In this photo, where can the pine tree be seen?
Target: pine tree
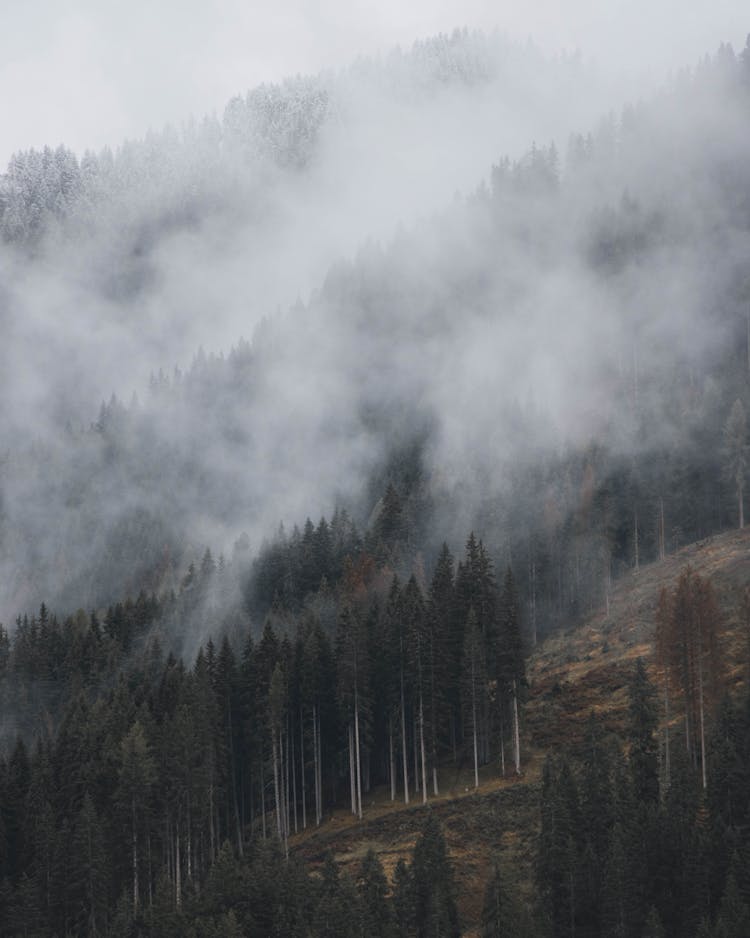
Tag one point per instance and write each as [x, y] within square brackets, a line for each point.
[643, 751]
[434, 890]
[403, 900]
[653, 927]
[511, 675]
[474, 683]
[503, 915]
[398, 640]
[444, 659]
[335, 905]
[352, 664]
[733, 919]
[136, 777]
[558, 867]
[376, 917]
[418, 657]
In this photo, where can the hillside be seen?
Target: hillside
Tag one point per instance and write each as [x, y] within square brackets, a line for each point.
[410, 536]
[584, 670]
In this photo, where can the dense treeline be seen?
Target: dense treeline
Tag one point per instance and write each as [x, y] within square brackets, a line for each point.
[152, 779]
[636, 848]
[165, 799]
[154, 766]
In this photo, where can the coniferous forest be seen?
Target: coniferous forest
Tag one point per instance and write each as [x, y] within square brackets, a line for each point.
[294, 590]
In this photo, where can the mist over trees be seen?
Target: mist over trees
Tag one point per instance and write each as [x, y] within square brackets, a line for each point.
[250, 589]
[425, 364]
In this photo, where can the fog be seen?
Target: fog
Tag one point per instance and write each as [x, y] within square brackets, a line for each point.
[90, 74]
[391, 285]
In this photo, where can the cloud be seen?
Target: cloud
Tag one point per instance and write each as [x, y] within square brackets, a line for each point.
[88, 73]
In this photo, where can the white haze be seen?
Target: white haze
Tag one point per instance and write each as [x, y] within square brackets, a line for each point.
[88, 74]
[384, 160]
[537, 325]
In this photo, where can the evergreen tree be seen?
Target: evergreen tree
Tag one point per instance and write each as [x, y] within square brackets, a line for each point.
[136, 777]
[376, 912]
[510, 661]
[434, 890]
[733, 919]
[643, 748]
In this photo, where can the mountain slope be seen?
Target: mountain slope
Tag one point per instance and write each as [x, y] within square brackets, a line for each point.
[587, 669]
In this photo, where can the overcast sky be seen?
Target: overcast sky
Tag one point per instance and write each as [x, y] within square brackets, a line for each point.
[91, 72]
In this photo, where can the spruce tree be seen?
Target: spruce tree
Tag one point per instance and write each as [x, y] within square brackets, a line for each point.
[643, 748]
[435, 909]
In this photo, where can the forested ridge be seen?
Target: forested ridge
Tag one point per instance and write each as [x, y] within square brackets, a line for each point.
[169, 796]
[306, 575]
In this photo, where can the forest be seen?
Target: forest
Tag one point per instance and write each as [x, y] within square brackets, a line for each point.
[167, 799]
[263, 593]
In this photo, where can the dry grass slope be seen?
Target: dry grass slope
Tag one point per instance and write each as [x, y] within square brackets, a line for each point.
[576, 673]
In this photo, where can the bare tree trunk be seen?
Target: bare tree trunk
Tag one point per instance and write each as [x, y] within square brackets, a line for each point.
[233, 770]
[177, 867]
[502, 746]
[319, 779]
[421, 746]
[403, 743]
[516, 731]
[667, 763]
[150, 872]
[635, 539]
[276, 783]
[302, 768]
[211, 831]
[135, 854]
[168, 848]
[293, 771]
[352, 784]
[262, 795]
[189, 841]
[391, 758]
[474, 728]
[287, 787]
[414, 736]
[358, 761]
[316, 759]
[284, 750]
[703, 727]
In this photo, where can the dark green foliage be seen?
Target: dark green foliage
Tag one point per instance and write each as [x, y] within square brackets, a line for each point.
[733, 919]
[140, 812]
[434, 890]
[504, 913]
[335, 905]
[559, 871]
[403, 900]
[376, 915]
[643, 752]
